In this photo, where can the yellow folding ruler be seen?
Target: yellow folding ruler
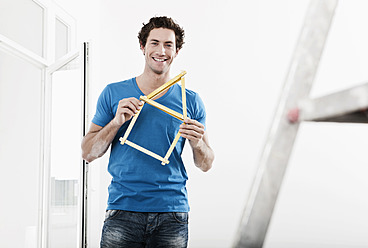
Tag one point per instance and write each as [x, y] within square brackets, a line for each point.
[148, 99]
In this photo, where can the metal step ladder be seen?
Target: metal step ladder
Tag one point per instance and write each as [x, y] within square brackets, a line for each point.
[295, 106]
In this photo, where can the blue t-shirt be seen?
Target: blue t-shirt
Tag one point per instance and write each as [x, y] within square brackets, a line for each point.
[139, 182]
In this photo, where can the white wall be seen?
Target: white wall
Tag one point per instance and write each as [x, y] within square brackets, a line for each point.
[237, 55]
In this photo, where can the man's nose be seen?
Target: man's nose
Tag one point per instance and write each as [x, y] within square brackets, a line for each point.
[161, 49]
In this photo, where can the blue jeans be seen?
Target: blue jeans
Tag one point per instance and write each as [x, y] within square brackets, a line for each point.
[144, 230]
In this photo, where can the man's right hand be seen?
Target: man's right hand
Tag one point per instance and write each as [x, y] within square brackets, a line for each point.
[98, 139]
[127, 108]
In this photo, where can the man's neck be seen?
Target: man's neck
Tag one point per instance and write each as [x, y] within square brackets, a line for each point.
[149, 81]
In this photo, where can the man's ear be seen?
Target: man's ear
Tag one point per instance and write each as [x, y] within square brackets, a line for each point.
[177, 52]
[143, 49]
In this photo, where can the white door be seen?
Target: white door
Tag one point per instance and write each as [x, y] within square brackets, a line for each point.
[65, 175]
[42, 177]
[42, 96]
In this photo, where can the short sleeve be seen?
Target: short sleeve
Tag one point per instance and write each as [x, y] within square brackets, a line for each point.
[103, 113]
[200, 111]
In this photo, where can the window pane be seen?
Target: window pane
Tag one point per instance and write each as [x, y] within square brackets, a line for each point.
[66, 166]
[20, 121]
[22, 22]
[61, 38]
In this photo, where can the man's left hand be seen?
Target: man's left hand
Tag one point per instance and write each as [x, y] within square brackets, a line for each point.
[193, 131]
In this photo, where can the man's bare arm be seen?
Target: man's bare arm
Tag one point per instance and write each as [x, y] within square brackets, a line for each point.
[98, 139]
[198, 139]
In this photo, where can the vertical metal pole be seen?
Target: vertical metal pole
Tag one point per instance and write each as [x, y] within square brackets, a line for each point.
[84, 132]
[273, 163]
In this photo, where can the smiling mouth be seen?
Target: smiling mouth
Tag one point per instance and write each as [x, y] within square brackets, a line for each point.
[159, 60]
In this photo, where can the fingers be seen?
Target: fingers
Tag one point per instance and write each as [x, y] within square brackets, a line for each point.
[131, 103]
[192, 130]
[193, 122]
[127, 108]
[127, 112]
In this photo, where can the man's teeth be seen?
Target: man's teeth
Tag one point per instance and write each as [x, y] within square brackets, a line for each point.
[159, 60]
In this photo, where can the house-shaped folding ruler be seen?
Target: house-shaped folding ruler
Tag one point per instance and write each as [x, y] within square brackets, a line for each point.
[148, 99]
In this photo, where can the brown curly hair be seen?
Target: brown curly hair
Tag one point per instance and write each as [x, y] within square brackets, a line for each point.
[161, 22]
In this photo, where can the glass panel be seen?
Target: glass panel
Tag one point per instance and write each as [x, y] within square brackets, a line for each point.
[66, 166]
[22, 22]
[61, 39]
[322, 202]
[20, 121]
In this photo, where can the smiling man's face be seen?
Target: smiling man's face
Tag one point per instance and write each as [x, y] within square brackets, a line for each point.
[160, 50]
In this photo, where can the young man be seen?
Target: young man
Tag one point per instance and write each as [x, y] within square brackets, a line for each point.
[148, 204]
